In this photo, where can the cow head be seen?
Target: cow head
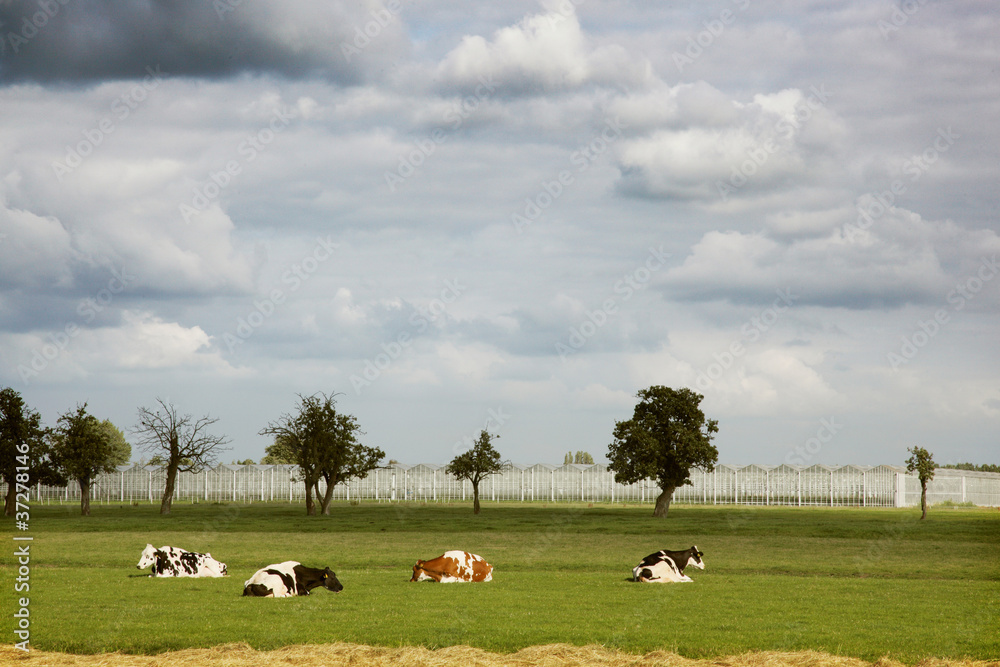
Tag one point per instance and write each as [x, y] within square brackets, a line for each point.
[418, 571]
[695, 559]
[330, 582]
[147, 558]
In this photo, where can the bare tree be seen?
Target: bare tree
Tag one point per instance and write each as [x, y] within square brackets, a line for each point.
[182, 441]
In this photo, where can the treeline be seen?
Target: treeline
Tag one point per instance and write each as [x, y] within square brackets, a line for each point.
[982, 467]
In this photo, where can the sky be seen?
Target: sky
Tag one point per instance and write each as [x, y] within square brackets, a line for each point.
[509, 216]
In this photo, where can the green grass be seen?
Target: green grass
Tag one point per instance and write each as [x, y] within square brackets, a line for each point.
[857, 582]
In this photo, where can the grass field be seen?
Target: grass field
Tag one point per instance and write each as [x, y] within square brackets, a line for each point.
[850, 582]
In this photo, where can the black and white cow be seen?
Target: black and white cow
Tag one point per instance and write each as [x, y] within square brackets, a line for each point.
[288, 579]
[174, 562]
[668, 566]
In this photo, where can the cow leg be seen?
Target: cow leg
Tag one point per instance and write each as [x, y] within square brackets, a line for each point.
[258, 591]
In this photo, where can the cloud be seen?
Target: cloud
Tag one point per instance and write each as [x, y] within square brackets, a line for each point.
[691, 142]
[898, 259]
[543, 53]
[35, 250]
[91, 40]
[138, 343]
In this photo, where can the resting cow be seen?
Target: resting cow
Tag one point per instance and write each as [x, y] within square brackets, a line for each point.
[668, 566]
[453, 566]
[288, 579]
[174, 562]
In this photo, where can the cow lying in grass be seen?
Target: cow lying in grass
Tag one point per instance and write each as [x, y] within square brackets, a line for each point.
[174, 562]
[288, 579]
[668, 566]
[453, 566]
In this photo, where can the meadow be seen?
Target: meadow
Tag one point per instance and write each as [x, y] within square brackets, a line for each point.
[861, 583]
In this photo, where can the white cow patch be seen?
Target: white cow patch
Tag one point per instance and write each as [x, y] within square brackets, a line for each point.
[276, 582]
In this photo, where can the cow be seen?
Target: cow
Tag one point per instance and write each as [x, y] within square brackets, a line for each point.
[288, 579]
[453, 566]
[668, 566]
[174, 562]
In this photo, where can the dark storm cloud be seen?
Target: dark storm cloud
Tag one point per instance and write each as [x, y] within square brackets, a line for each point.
[89, 40]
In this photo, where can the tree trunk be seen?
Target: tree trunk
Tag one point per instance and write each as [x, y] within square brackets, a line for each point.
[923, 501]
[475, 497]
[310, 503]
[327, 497]
[168, 490]
[9, 501]
[663, 501]
[84, 496]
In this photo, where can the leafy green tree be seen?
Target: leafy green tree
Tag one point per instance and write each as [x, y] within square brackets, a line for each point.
[25, 450]
[922, 462]
[278, 453]
[568, 458]
[83, 448]
[181, 441]
[121, 450]
[667, 436]
[324, 445]
[477, 464]
[583, 458]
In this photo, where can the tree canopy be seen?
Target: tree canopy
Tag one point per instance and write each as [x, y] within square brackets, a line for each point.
[666, 437]
[323, 443]
[476, 464]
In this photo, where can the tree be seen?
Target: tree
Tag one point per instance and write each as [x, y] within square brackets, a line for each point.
[667, 436]
[183, 442]
[922, 462]
[568, 458]
[583, 458]
[85, 447]
[477, 464]
[25, 450]
[121, 451]
[280, 452]
[322, 442]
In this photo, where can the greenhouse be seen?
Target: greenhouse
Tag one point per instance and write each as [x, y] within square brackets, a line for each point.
[821, 485]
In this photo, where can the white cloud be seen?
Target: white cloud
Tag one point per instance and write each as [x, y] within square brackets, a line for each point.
[35, 250]
[897, 259]
[543, 52]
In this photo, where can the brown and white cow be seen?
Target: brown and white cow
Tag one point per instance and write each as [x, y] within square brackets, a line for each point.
[453, 566]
